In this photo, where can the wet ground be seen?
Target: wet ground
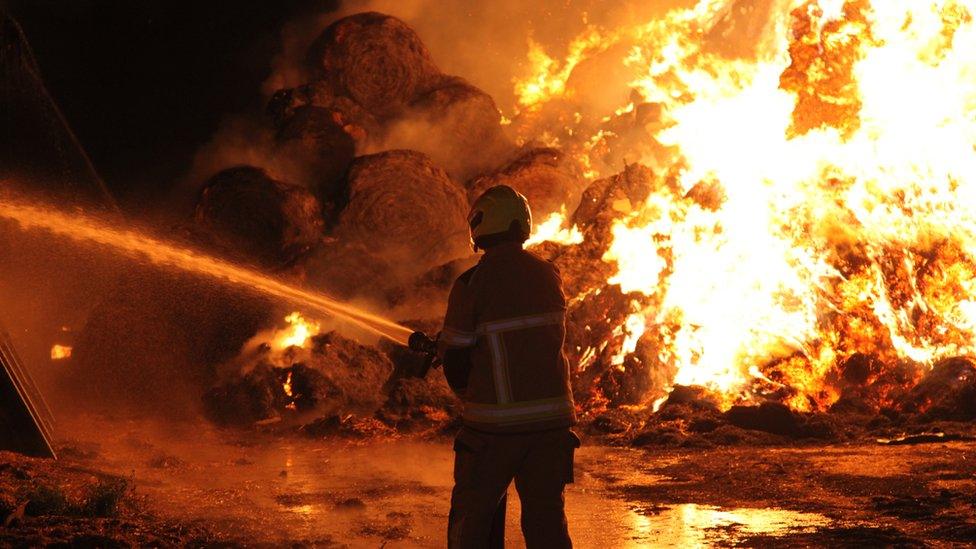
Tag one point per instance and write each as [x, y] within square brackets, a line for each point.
[264, 489]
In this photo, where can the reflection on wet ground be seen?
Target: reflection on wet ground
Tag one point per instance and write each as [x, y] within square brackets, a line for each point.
[599, 517]
[395, 493]
[693, 525]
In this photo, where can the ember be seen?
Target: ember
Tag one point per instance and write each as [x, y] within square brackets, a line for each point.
[60, 352]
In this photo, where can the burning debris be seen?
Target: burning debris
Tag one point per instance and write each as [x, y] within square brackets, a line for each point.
[323, 383]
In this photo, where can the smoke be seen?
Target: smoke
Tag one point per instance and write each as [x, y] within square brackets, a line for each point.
[242, 140]
[486, 43]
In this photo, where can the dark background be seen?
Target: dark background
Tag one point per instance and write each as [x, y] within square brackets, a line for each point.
[144, 83]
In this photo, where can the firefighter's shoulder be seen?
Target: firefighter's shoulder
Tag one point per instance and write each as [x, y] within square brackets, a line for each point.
[542, 261]
[466, 276]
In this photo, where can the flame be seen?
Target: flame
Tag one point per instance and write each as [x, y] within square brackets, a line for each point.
[60, 352]
[298, 332]
[549, 76]
[842, 147]
[553, 229]
[287, 386]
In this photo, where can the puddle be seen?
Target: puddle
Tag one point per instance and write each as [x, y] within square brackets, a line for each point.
[397, 493]
[693, 525]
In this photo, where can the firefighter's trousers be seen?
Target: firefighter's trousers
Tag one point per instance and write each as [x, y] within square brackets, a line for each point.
[540, 463]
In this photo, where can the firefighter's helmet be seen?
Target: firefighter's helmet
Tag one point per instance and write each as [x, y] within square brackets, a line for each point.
[497, 209]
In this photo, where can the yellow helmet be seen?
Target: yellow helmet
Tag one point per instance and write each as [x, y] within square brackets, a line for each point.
[495, 211]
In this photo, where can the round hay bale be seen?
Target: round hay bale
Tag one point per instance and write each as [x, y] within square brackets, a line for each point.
[458, 125]
[265, 220]
[347, 114]
[405, 209]
[542, 176]
[375, 59]
[314, 134]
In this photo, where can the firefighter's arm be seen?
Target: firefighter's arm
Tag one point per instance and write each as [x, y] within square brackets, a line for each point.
[458, 336]
[457, 368]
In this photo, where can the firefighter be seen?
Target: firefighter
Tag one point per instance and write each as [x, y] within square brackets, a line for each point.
[501, 347]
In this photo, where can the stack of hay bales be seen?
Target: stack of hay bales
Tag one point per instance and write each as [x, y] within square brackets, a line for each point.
[394, 151]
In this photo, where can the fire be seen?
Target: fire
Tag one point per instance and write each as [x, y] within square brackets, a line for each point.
[287, 386]
[298, 332]
[549, 75]
[841, 149]
[60, 352]
[553, 229]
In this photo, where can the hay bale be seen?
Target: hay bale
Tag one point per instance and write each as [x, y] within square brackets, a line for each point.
[458, 125]
[264, 220]
[405, 210]
[542, 175]
[332, 375]
[375, 59]
[314, 134]
[349, 115]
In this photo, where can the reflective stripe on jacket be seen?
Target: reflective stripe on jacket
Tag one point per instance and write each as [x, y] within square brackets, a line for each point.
[510, 311]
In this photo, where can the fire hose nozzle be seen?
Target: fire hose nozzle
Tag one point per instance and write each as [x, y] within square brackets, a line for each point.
[422, 343]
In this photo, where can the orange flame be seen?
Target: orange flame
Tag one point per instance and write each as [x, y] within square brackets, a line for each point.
[60, 352]
[843, 146]
[298, 332]
[287, 386]
[554, 229]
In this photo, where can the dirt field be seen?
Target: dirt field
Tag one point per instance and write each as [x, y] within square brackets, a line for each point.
[193, 484]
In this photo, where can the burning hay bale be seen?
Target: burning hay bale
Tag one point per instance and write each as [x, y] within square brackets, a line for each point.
[374, 59]
[315, 134]
[543, 175]
[269, 221]
[405, 210]
[458, 125]
[324, 376]
[594, 340]
[601, 205]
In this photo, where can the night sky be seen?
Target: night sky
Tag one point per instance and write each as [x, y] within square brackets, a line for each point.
[144, 83]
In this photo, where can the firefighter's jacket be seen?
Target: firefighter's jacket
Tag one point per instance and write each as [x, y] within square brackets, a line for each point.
[510, 311]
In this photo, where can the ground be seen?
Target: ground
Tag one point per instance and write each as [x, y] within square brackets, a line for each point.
[193, 484]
